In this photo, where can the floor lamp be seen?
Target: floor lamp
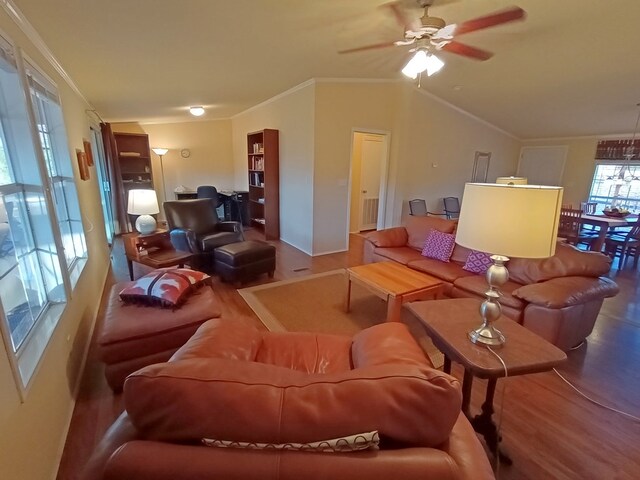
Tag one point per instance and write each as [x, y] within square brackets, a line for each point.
[513, 220]
[160, 152]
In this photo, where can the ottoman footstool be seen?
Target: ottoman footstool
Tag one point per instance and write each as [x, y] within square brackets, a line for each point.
[134, 336]
[237, 262]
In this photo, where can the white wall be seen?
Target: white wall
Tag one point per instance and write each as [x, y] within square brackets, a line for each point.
[292, 113]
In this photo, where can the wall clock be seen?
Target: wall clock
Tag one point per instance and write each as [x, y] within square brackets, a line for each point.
[185, 153]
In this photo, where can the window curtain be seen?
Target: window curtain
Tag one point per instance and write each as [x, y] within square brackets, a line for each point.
[117, 193]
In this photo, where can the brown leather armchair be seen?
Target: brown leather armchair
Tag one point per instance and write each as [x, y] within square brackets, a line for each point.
[194, 227]
[231, 381]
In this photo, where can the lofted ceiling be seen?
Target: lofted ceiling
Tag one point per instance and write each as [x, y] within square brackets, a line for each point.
[570, 69]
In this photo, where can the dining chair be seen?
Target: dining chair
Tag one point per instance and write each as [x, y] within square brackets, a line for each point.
[589, 208]
[451, 207]
[418, 207]
[569, 227]
[625, 246]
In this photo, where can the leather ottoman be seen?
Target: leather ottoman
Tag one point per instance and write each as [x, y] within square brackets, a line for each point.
[237, 262]
[134, 336]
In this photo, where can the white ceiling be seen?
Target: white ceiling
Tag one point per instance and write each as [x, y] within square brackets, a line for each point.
[571, 68]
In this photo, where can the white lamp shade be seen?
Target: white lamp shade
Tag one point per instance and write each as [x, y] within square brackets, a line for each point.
[420, 62]
[512, 180]
[510, 220]
[142, 202]
[160, 151]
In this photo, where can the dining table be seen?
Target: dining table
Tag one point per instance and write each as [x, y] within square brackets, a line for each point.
[604, 224]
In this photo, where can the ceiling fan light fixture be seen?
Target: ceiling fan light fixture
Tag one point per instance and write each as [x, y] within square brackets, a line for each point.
[196, 111]
[420, 62]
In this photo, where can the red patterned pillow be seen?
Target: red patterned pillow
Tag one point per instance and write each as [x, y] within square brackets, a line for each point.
[165, 287]
[477, 262]
[439, 245]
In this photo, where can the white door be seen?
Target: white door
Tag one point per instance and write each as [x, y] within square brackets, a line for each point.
[543, 165]
[373, 152]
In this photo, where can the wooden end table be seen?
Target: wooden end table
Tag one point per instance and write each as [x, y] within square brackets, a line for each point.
[154, 250]
[447, 322]
[394, 283]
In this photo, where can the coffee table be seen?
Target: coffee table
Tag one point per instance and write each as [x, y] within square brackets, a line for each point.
[447, 323]
[394, 283]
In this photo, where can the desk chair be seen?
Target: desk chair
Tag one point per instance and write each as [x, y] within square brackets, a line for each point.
[209, 191]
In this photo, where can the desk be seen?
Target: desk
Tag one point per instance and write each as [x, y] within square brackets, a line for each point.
[447, 323]
[154, 250]
[604, 223]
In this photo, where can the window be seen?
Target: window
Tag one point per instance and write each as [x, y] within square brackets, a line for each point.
[42, 243]
[616, 184]
[53, 142]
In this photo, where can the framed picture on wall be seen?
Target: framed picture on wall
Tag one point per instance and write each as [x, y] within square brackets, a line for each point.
[481, 167]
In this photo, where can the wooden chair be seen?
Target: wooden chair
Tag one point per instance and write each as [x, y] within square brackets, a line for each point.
[588, 208]
[569, 227]
[625, 246]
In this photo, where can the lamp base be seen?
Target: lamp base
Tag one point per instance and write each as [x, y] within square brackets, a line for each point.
[146, 224]
[487, 335]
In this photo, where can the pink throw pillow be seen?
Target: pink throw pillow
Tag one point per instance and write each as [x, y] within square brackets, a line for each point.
[439, 246]
[477, 262]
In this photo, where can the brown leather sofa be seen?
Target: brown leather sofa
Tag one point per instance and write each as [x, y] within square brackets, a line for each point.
[558, 298]
[231, 381]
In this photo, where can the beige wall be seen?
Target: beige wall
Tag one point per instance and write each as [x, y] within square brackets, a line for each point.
[579, 167]
[437, 151]
[292, 114]
[210, 162]
[33, 432]
[342, 108]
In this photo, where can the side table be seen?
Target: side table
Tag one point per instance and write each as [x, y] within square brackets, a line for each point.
[154, 250]
[447, 323]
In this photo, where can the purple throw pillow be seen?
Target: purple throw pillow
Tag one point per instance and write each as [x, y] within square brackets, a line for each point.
[439, 245]
[477, 262]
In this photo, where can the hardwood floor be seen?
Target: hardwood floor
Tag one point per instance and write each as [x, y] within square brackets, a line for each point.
[549, 430]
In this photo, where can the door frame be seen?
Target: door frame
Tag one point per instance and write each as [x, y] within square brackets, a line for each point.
[563, 147]
[384, 176]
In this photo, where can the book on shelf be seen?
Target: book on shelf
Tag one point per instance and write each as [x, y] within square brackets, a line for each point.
[129, 154]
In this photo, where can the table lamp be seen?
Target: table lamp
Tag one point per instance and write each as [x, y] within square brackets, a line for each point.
[143, 203]
[512, 180]
[506, 220]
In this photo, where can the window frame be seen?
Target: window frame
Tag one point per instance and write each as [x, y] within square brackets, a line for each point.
[607, 200]
[26, 359]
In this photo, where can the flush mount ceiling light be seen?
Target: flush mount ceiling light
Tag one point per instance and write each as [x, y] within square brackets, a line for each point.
[196, 111]
[421, 61]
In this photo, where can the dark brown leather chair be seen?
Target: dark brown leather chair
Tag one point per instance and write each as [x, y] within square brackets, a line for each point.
[194, 227]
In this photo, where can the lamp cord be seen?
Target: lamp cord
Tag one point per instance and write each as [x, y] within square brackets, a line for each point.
[633, 417]
[500, 415]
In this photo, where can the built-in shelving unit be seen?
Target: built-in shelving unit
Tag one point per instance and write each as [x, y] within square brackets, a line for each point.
[264, 182]
[134, 159]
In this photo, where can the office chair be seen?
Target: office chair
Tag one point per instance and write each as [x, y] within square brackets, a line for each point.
[209, 191]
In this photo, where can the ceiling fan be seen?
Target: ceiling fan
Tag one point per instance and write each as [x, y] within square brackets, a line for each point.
[430, 33]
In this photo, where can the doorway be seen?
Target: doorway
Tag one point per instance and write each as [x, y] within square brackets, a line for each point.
[368, 186]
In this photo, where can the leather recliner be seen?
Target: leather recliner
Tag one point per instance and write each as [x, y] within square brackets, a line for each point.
[235, 383]
[194, 227]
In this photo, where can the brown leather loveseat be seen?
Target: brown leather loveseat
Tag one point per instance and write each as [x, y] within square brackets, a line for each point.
[233, 382]
[558, 298]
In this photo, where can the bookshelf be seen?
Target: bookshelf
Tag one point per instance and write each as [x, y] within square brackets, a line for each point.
[264, 182]
[134, 159]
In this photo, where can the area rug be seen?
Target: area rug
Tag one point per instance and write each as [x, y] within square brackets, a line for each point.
[315, 303]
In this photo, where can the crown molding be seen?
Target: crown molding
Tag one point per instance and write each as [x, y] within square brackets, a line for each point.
[21, 21]
[608, 136]
[286, 93]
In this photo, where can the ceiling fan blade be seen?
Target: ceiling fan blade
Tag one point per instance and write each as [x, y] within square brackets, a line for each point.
[498, 18]
[466, 50]
[403, 20]
[369, 47]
